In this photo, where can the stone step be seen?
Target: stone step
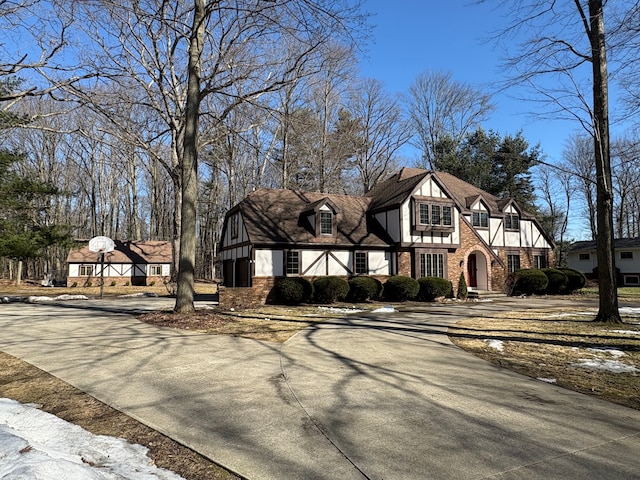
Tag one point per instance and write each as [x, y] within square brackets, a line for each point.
[483, 294]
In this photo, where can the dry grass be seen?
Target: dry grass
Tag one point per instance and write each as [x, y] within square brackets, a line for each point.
[269, 323]
[31, 288]
[551, 344]
[27, 384]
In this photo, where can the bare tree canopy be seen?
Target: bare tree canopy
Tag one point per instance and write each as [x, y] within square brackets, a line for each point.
[441, 108]
[563, 60]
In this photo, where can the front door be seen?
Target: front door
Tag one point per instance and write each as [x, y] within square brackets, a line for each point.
[472, 271]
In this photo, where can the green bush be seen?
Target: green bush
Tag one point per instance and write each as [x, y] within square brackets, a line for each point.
[557, 281]
[530, 282]
[434, 287]
[400, 288]
[74, 284]
[293, 290]
[153, 282]
[576, 279]
[463, 291]
[113, 283]
[364, 288]
[127, 283]
[330, 289]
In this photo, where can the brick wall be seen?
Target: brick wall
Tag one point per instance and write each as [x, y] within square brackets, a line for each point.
[246, 297]
[119, 281]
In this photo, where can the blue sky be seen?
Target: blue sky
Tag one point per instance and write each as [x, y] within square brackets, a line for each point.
[414, 36]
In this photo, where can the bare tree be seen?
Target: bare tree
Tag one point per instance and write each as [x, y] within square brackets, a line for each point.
[441, 108]
[382, 131]
[566, 44]
[579, 159]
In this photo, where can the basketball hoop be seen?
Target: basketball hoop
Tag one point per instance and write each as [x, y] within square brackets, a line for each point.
[101, 245]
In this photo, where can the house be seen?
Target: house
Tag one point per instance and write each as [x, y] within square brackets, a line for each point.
[417, 223]
[135, 262]
[583, 257]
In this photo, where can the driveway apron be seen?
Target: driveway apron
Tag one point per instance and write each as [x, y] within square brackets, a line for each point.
[378, 396]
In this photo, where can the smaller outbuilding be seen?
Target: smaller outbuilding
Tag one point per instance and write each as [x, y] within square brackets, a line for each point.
[584, 258]
[132, 262]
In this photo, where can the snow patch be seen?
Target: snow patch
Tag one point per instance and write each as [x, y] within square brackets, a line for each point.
[625, 332]
[547, 380]
[340, 310]
[614, 366]
[495, 344]
[35, 444]
[385, 309]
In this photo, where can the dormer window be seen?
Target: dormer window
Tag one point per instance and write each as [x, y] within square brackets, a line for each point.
[511, 222]
[326, 223]
[480, 219]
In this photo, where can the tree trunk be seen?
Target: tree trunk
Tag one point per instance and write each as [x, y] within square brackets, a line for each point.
[187, 255]
[608, 307]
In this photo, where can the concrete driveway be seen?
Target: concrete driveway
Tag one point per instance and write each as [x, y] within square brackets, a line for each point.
[378, 396]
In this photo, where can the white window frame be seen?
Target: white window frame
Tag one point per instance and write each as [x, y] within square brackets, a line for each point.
[158, 270]
[82, 270]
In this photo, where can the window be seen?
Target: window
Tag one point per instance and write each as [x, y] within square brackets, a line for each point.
[513, 263]
[424, 214]
[360, 263]
[584, 256]
[512, 222]
[293, 263]
[632, 280]
[480, 219]
[626, 255]
[326, 223]
[155, 270]
[539, 261]
[434, 215]
[234, 226]
[86, 270]
[432, 265]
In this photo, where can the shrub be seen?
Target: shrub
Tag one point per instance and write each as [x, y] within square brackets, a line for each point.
[557, 281]
[400, 288]
[530, 282]
[113, 283]
[153, 282]
[362, 289]
[463, 292]
[126, 284]
[88, 283]
[434, 287]
[330, 289]
[74, 284]
[576, 279]
[292, 290]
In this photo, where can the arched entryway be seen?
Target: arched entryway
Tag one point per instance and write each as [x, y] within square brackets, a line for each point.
[477, 272]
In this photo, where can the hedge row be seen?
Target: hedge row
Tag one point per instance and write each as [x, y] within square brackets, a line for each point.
[297, 290]
[553, 281]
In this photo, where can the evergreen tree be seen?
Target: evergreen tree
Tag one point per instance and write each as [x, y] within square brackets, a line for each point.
[498, 165]
[24, 227]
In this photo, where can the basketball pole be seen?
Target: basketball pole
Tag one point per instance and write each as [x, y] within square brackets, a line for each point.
[101, 274]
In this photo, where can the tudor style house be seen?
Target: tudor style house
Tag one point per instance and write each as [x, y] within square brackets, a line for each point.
[417, 223]
[135, 262]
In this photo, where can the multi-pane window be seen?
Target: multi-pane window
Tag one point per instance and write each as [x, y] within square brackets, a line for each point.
[512, 222]
[626, 255]
[436, 215]
[85, 270]
[539, 261]
[293, 262]
[360, 263]
[584, 256]
[432, 265]
[155, 270]
[513, 263]
[326, 223]
[480, 219]
[424, 214]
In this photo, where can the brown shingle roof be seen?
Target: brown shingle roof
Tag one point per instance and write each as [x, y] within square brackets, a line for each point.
[150, 251]
[280, 217]
[395, 190]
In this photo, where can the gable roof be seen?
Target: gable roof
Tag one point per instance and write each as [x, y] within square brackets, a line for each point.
[618, 243]
[395, 190]
[138, 252]
[273, 216]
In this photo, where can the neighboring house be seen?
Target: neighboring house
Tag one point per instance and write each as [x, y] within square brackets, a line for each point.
[583, 257]
[136, 262]
[417, 223]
